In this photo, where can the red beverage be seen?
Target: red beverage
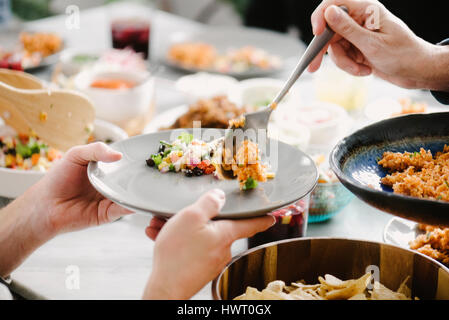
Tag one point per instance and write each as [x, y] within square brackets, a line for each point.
[8, 62]
[291, 222]
[134, 34]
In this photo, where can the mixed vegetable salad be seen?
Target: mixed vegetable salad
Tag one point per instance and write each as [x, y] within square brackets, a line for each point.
[26, 152]
[185, 154]
[194, 157]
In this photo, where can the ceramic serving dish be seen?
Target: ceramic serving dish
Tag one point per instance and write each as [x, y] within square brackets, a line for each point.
[14, 182]
[354, 161]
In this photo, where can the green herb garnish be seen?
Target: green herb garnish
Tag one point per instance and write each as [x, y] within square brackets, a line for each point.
[447, 184]
[250, 183]
[166, 144]
[171, 168]
[157, 158]
[186, 137]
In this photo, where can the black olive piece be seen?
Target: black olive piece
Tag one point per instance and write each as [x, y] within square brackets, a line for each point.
[1, 144]
[161, 149]
[11, 151]
[150, 162]
[189, 173]
[197, 171]
[211, 153]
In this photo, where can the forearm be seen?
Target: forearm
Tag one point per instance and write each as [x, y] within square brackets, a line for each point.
[436, 70]
[158, 288]
[22, 230]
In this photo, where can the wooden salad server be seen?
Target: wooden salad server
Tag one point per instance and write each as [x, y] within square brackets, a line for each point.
[61, 118]
[20, 80]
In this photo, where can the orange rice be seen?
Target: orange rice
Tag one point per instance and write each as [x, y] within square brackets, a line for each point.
[418, 174]
[195, 54]
[421, 175]
[247, 164]
[434, 243]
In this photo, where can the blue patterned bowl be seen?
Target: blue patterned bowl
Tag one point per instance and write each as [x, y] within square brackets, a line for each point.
[354, 161]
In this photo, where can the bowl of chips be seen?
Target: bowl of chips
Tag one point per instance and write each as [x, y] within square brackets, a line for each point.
[331, 269]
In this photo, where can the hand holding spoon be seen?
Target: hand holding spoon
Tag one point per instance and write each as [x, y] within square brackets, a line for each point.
[259, 119]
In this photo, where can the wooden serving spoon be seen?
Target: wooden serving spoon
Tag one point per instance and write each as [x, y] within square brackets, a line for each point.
[20, 80]
[61, 118]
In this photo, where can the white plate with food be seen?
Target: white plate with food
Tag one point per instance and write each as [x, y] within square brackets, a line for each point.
[401, 232]
[24, 159]
[163, 172]
[233, 51]
[29, 50]
[388, 107]
[428, 240]
[165, 119]
[215, 112]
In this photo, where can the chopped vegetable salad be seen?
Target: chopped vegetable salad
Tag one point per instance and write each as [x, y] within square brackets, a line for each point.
[194, 157]
[26, 152]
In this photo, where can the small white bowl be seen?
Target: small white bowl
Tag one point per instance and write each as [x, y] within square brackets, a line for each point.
[299, 136]
[382, 108]
[71, 67]
[327, 122]
[14, 183]
[260, 92]
[118, 106]
[205, 85]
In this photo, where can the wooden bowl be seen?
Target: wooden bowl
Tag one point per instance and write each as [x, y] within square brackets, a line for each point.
[308, 258]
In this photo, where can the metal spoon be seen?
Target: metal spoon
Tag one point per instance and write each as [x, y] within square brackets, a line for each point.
[259, 119]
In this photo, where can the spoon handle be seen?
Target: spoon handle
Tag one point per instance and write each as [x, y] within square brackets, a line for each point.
[315, 46]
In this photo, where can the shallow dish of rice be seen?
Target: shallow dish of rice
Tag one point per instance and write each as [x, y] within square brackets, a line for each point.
[398, 141]
[418, 174]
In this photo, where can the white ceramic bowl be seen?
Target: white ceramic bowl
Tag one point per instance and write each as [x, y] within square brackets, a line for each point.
[118, 105]
[71, 67]
[299, 136]
[327, 122]
[13, 183]
[204, 85]
[260, 92]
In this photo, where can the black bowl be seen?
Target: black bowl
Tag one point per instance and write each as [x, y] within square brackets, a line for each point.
[354, 161]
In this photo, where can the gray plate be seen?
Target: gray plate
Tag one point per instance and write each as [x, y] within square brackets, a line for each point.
[288, 49]
[132, 184]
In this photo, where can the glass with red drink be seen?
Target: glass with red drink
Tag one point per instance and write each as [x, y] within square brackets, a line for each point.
[291, 222]
[131, 33]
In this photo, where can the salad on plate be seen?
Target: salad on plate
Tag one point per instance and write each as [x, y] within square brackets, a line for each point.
[194, 157]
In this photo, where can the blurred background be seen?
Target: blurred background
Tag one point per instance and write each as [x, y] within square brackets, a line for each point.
[293, 16]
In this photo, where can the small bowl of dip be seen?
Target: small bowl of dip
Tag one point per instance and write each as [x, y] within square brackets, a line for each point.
[118, 96]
